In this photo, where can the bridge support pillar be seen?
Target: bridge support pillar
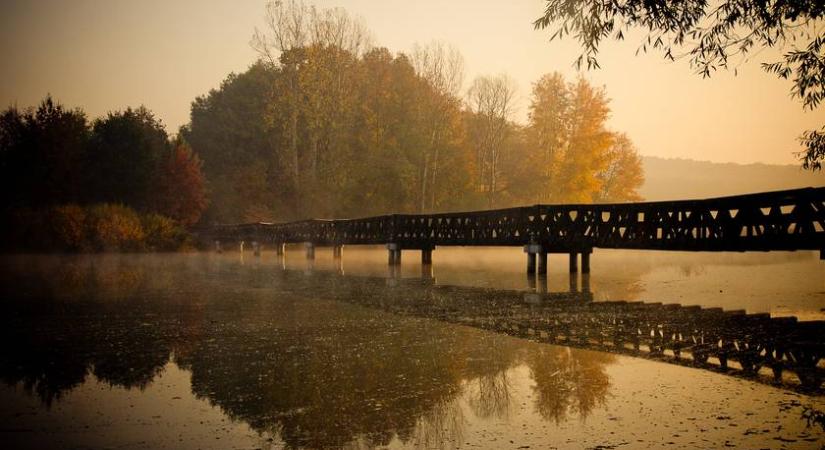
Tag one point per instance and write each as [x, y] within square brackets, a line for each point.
[241, 246]
[542, 262]
[585, 261]
[574, 262]
[218, 246]
[310, 247]
[256, 248]
[427, 272]
[427, 256]
[394, 254]
[337, 251]
[541, 287]
[532, 249]
[279, 248]
[574, 282]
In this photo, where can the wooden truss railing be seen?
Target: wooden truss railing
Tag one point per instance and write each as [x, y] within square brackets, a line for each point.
[781, 220]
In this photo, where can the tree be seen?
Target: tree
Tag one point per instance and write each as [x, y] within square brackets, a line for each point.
[588, 141]
[127, 147]
[292, 27]
[179, 187]
[491, 101]
[580, 160]
[233, 132]
[623, 175]
[710, 35]
[442, 67]
[43, 154]
[549, 127]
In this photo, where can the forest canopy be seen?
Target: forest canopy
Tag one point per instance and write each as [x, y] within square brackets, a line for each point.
[325, 124]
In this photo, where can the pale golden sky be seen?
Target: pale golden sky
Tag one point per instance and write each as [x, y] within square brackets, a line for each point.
[105, 55]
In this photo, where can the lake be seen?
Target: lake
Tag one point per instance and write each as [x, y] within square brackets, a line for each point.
[207, 350]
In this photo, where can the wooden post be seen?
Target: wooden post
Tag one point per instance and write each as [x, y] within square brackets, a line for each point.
[242, 243]
[542, 284]
[393, 254]
[427, 272]
[337, 251]
[531, 263]
[426, 256]
[574, 282]
[280, 248]
[310, 250]
[256, 248]
[542, 266]
[574, 259]
[532, 249]
[586, 261]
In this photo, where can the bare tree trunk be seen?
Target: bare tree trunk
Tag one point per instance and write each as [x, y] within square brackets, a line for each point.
[434, 177]
[424, 174]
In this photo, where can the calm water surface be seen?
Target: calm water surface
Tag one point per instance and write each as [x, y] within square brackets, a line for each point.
[220, 351]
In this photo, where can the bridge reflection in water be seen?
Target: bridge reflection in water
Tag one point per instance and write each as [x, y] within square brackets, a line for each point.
[789, 352]
[316, 358]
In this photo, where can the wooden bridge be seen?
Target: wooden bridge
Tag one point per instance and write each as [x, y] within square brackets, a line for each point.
[781, 220]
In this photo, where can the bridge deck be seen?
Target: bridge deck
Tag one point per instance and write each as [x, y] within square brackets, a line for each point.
[781, 220]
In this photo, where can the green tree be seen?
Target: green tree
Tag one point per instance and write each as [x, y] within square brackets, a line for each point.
[710, 35]
[232, 132]
[43, 155]
[126, 150]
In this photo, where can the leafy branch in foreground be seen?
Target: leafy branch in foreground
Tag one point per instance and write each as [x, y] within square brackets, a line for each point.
[709, 36]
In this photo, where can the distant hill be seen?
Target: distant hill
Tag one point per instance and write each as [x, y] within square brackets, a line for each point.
[671, 179]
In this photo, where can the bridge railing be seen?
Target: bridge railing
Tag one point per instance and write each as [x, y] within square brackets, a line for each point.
[782, 220]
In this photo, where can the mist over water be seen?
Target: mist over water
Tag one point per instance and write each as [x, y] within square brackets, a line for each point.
[225, 350]
[779, 283]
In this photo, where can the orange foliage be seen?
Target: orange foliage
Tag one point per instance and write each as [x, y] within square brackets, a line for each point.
[180, 187]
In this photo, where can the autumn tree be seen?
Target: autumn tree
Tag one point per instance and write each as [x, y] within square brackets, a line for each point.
[179, 186]
[548, 129]
[588, 142]
[623, 174]
[581, 160]
[293, 30]
[709, 35]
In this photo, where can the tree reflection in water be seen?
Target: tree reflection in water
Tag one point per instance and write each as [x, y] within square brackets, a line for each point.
[316, 372]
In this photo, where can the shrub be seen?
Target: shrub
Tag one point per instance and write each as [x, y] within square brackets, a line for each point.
[67, 228]
[115, 228]
[162, 233]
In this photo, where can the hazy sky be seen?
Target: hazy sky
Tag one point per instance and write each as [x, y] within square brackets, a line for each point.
[104, 55]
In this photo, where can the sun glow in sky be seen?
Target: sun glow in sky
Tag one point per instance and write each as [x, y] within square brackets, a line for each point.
[106, 55]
